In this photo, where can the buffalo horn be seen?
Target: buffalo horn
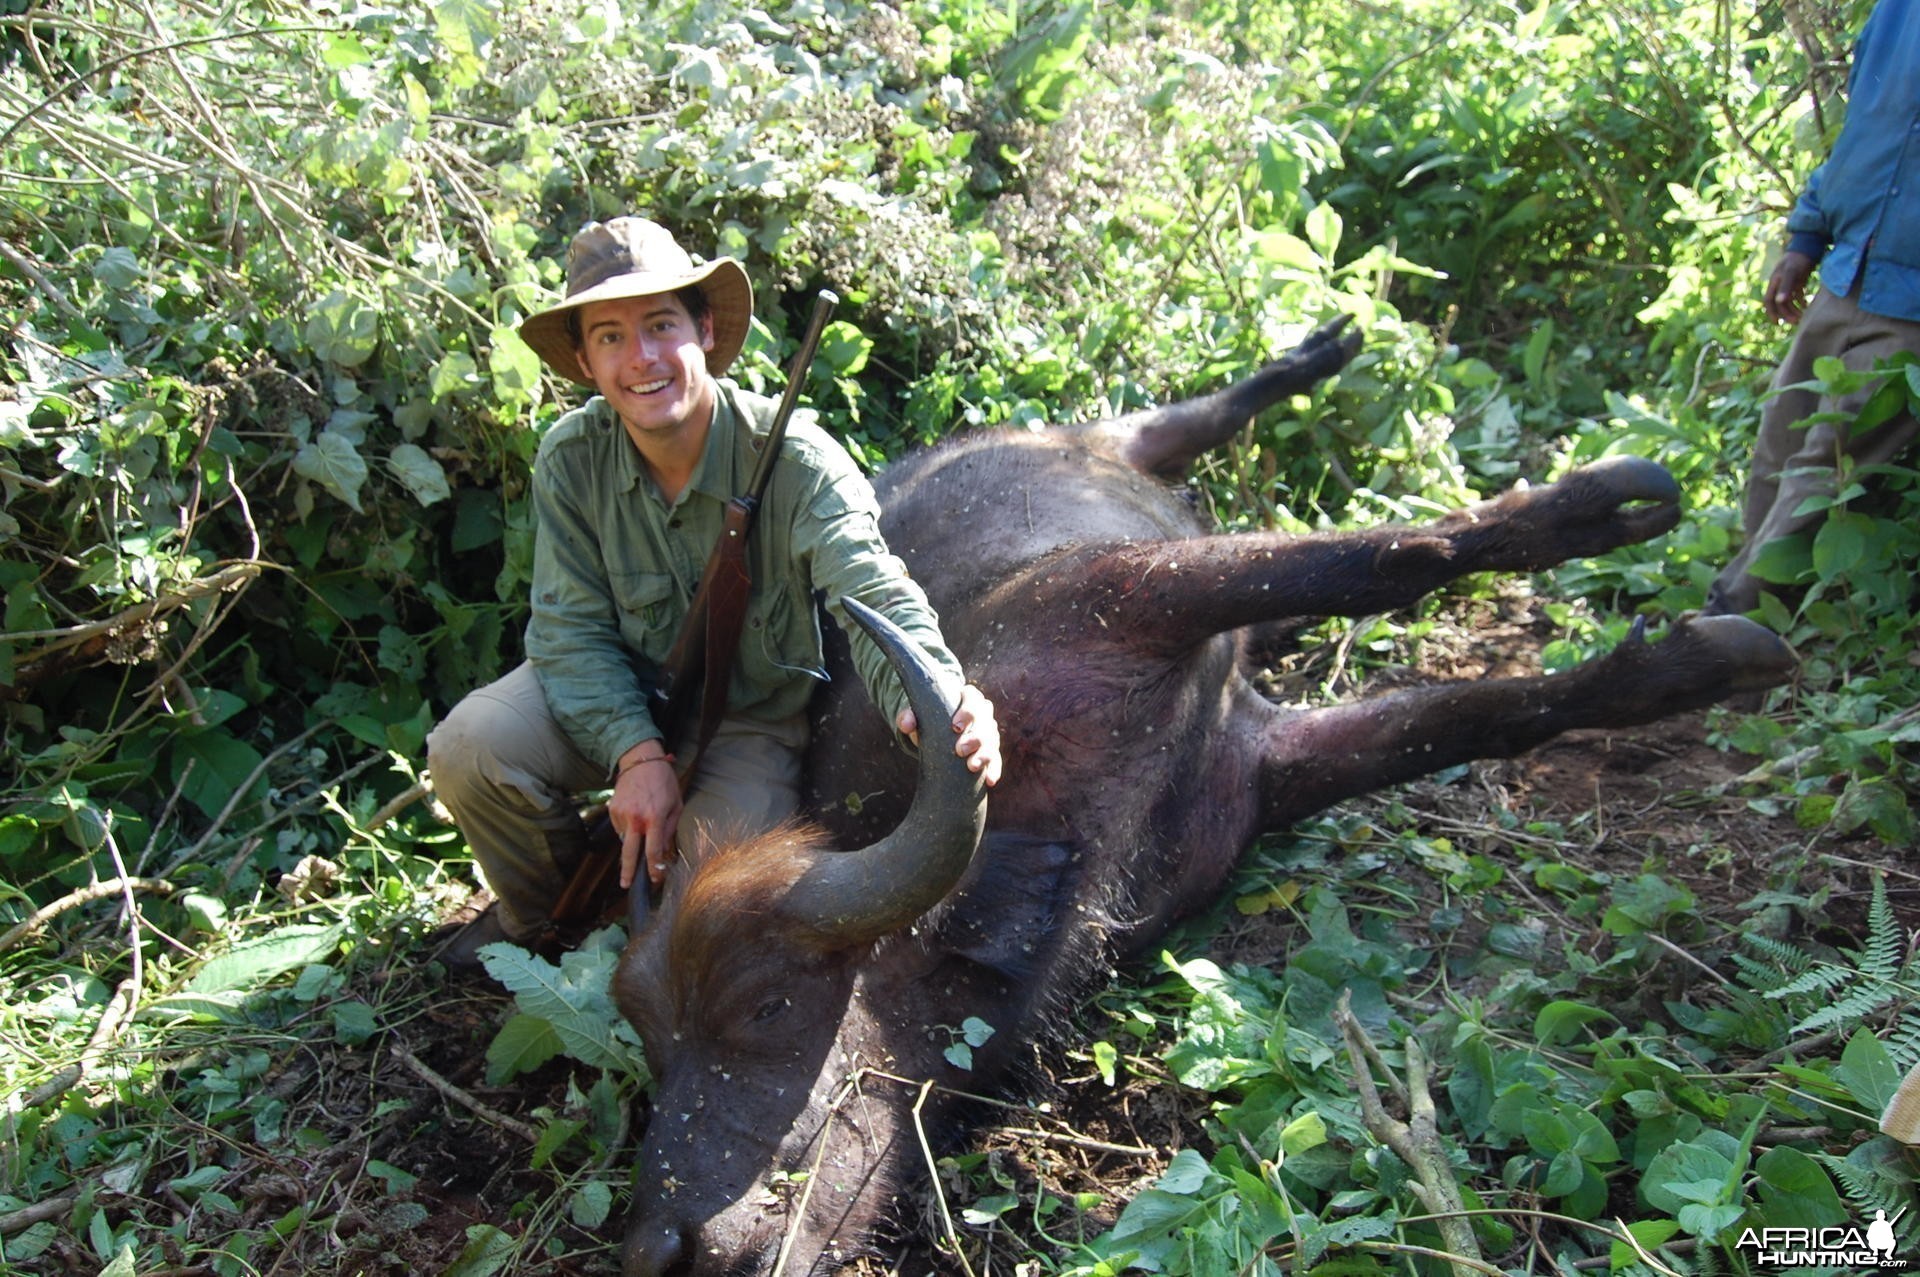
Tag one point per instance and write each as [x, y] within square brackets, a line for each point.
[858, 896]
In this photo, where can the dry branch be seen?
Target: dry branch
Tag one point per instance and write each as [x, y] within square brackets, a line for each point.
[74, 899]
[463, 1098]
[1416, 1141]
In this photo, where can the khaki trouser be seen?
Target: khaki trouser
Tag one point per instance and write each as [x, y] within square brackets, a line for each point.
[509, 774]
[1789, 464]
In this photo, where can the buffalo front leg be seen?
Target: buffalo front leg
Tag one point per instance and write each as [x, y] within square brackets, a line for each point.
[1177, 593]
[1316, 758]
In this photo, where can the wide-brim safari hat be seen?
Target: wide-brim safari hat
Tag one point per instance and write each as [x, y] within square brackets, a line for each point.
[633, 257]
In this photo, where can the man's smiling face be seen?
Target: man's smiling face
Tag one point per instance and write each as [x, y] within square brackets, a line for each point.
[648, 357]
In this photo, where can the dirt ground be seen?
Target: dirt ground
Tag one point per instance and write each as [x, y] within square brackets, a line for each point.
[1613, 802]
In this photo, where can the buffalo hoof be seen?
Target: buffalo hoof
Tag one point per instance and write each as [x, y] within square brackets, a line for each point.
[1757, 657]
[1597, 508]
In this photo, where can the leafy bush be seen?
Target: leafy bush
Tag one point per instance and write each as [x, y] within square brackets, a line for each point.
[265, 430]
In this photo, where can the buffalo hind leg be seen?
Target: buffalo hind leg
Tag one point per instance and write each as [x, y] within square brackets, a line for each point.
[1315, 758]
[1164, 441]
[1174, 594]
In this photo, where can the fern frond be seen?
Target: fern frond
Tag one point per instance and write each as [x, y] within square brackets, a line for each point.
[1881, 956]
[1820, 979]
[1855, 1004]
[1790, 957]
[1903, 1042]
[1867, 1190]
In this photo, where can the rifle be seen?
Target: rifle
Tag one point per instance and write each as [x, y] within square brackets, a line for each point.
[702, 653]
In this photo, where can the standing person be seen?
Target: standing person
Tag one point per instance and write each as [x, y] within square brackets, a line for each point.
[629, 492]
[1858, 222]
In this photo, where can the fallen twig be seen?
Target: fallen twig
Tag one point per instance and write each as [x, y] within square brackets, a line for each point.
[227, 578]
[952, 1235]
[74, 899]
[464, 1099]
[1416, 1142]
[1082, 1141]
[27, 1216]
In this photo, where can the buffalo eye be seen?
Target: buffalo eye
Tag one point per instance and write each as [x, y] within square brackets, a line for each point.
[771, 1007]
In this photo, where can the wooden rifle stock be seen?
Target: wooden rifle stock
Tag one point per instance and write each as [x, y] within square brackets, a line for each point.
[711, 633]
[702, 653]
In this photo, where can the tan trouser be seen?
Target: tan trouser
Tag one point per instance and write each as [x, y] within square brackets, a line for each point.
[1791, 464]
[509, 774]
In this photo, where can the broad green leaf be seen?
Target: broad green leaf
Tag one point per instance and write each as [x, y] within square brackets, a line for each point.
[1309, 1130]
[343, 329]
[845, 348]
[466, 26]
[488, 1251]
[523, 1044]
[1795, 1191]
[1323, 230]
[592, 1204]
[420, 473]
[1188, 1172]
[1687, 1164]
[511, 363]
[453, 375]
[1650, 1233]
[1560, 1022]
[573, 998]
[1841, 544]
[1867, 1070]
[343, 49]
[117, 269]
[1288, 252]
[336, 465]
[219, 761]
[252, 962]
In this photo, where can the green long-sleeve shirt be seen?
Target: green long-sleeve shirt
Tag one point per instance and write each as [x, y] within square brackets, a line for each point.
[615, 568]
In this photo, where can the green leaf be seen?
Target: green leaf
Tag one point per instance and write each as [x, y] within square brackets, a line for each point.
[511, 363]
[1188, 1172]
[488, 1251]
[554, 1136]
[1560, 1022]
[420, 473]
[1288, 252]
[1868, 1072]
[523, 1044]
[592, 1204]
[845, 348]
[1841, 545]
[219, 761]
[336, 465]
[1309, 1130]
[343, 329]
[1795, 1192]
[1708, 1222]
[353, 1022]
[453, 375]
[466, 27]
[251, 963]
[1323, 230]
[1689, 1163]
[573, 998]
[1650, 1233]
[118, 269]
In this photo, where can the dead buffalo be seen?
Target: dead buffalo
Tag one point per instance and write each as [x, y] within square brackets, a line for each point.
[784, 990]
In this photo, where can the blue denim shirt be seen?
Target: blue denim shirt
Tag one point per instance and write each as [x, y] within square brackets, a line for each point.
[1860, 213]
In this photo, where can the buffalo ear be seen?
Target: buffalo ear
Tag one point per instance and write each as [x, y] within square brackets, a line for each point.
[1007, 916]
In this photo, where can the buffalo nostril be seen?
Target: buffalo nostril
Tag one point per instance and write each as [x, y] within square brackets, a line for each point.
[654, 1250]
